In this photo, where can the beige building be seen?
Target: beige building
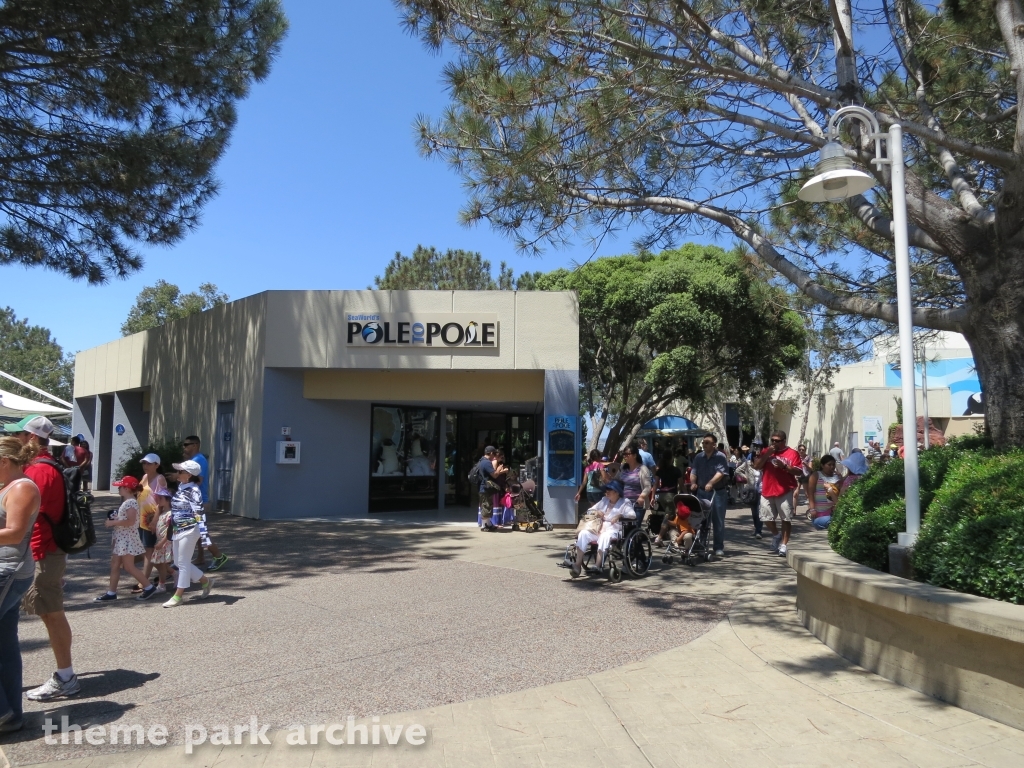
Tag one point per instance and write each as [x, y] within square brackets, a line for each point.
[863, 401]
[347, 403]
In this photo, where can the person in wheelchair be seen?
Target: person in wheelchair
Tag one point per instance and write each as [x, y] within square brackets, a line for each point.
[613, 508]
[677, 527]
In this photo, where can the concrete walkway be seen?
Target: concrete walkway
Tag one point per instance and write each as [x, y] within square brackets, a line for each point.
[757, 689]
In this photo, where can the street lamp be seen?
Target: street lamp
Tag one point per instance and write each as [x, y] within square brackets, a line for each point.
[836, 179]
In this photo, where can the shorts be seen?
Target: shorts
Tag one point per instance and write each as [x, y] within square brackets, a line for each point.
[148, 538]
[777, 507]
[46, 595]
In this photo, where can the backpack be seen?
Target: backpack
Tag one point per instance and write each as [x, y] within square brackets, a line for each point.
[74, 533]
[474, 474]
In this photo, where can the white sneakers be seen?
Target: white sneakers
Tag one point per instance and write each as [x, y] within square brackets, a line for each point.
[782, 550]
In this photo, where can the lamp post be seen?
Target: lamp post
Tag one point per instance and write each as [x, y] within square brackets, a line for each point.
[836, 179]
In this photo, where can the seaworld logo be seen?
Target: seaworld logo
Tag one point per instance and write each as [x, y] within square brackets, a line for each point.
[426, 331]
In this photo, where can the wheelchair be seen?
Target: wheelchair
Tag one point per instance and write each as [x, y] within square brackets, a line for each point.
[630, 554]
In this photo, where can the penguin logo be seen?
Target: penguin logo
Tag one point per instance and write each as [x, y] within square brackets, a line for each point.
[471, 333]
[372, 333]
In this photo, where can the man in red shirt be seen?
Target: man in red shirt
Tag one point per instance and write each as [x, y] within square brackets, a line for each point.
[45, 598]
[780, 466]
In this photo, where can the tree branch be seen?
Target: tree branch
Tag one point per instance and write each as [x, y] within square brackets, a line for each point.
[939, 319]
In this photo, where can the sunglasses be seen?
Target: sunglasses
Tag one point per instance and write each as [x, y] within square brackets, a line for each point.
[188, 445]
[776, 439]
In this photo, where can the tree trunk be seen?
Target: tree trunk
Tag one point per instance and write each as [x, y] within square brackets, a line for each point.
[807, 411]
[995, 331]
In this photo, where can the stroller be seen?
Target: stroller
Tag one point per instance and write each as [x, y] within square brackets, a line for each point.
[701, 546]
[527, 515]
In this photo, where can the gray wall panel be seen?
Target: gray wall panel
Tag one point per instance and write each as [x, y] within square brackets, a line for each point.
[334, 476]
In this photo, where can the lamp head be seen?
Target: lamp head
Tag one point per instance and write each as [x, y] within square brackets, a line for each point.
[835, 178]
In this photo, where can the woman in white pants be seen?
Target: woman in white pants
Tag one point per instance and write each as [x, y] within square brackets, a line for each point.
[613, 507]
[186, 508]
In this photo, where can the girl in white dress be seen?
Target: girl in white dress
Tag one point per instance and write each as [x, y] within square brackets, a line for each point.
[612, 508]
[125, 542]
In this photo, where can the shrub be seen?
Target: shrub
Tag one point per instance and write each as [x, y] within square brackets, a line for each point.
[168, 449]
[972, 538]
[872, 511]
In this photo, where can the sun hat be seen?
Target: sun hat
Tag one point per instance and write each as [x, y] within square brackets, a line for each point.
[150, 458]
[192, 467]
[856, 462]
[40, 426]
[128, 482]
[613, 485]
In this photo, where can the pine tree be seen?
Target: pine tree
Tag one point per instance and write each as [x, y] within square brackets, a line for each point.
[112, 117]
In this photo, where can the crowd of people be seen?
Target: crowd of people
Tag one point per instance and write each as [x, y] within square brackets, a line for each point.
[161, 520]
[770, 478]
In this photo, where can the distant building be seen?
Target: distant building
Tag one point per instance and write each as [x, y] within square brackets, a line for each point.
[862, 403]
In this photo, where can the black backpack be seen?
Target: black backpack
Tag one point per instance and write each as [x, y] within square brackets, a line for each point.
[74, 533]
[474, 474]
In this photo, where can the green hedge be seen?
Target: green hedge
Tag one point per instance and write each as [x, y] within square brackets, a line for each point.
[872, 511]
[972, 538]
[972, 532]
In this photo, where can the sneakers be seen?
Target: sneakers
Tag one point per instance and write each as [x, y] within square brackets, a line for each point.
[106, 597]
[174, 602]
[575, 571]
[208, 585]
[55, 688]
[758, 536]
[147, 593]
[782, 550]
[775, 542]
[159, 589]
[218, 563]
[719, 553]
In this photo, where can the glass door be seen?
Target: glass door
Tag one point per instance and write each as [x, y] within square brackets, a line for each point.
[403, 458]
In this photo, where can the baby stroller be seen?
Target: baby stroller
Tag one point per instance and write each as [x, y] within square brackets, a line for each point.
[701, 546]
[528, 516]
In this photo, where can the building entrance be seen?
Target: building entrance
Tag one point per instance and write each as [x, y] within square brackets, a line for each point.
[467, 433]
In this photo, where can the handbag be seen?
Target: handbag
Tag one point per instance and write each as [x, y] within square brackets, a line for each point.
[591, 523]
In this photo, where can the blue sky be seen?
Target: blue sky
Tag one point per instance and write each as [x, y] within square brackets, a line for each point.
[321, 185]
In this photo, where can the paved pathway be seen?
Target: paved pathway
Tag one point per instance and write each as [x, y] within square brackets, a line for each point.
[641, 685]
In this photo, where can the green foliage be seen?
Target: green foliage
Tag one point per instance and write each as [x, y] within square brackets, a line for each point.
[168, 449]
[163, 302]
[114, 114]
[660, 328]
[30, 354]
[872, 511]
[972, 539]
[453, 270]
[972, 531]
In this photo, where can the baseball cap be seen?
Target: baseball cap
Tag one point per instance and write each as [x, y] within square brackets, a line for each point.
[192, 467]
[40, 426]
[151, 458]
[127, 482]
[80, 436]
[489, 449]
